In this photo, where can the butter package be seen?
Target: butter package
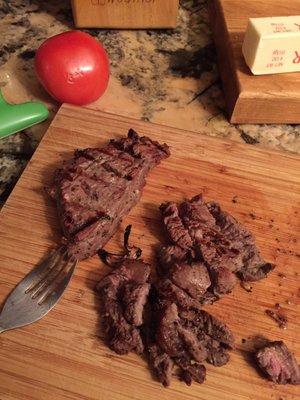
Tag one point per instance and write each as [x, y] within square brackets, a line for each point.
[272, 45]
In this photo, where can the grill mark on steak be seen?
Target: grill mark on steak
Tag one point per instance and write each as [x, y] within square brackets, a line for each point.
[107, 181]
[174, 226]
[169, 291]
[141, 147]
[278, 363]
[211, 326]
[111, 169]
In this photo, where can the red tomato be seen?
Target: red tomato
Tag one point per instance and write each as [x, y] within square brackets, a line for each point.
[73, 67]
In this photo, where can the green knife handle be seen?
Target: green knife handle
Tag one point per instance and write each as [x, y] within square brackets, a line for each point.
[16, 117]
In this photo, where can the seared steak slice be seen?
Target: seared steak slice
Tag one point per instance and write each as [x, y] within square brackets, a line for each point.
[191, 372]
[167, 334]
[217, 252]
[241, 240]
[278, 363]
[211, 326]
[207, 238]
[214, 335]
[128, 271]
[223, 280]
[195, 347]
[174, 226]
[192, 278]
[217, 354]
[123, 294]
[169, 255]
[98, 187]
[196, 217]
[255, 268]
[121, 336]
[180, 344]
[191, 337]
[134, 299]
[161, 363]
[174, 339]
[167, 290]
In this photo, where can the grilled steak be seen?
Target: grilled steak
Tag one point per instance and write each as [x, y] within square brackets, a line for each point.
[208, 239]
[243, 243]
[278, 363]
[165, 320]
[98, 187]
[124, 293]
[187, 338]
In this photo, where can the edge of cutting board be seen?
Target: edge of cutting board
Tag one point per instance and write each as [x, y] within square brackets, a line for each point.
[252, 99]
[202, 137]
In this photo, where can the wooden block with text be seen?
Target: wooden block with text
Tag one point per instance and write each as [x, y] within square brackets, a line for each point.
[125, 14]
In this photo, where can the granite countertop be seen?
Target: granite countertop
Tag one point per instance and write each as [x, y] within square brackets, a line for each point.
[163, 76]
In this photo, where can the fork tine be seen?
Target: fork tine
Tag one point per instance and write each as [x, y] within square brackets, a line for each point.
[38, 274]
[57, 287]
[50, 277]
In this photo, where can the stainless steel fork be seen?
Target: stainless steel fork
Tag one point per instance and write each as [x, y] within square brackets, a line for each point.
[38, 292]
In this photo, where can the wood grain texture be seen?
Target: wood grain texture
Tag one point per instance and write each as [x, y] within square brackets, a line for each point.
[63, 357]
[252, 99]
[125, 14]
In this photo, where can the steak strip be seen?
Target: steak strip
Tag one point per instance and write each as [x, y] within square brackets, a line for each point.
[278, 363]
[124, 292]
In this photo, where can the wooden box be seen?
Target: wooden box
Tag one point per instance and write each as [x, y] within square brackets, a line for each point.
[252, 99]
[125, 14]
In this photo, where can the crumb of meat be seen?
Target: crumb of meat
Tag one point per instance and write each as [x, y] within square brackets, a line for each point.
[278, 317]
[281, 275]
[246, 286]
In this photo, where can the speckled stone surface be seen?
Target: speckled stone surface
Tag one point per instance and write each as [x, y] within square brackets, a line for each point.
[164, 76]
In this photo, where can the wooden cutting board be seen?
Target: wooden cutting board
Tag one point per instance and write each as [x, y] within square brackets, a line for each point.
[252, 99]
[63, 356]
